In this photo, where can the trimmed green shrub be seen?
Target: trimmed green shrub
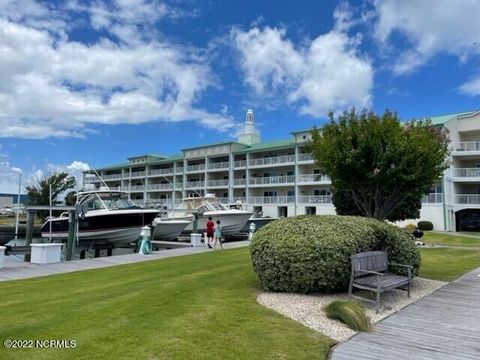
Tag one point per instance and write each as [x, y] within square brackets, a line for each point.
[350, 313]
[425, 225]
[312, 253]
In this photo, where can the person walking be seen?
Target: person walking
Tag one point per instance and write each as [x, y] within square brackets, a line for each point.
[218, 235]
[210, 229]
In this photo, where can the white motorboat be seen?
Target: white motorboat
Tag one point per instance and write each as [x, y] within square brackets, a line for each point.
[231, 220]
[111, 217]
[169, 229]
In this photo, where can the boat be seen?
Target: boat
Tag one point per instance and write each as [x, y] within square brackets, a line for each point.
[111, 217]
[169, 229]
[231, 220]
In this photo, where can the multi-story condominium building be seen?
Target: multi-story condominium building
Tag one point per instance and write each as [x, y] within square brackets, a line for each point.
[280, 178]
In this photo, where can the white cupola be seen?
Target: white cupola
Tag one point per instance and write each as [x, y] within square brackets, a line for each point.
[249, 134]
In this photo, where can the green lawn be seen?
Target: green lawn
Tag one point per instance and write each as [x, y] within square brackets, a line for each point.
[191, 307]
[447, 264]
[450, 239]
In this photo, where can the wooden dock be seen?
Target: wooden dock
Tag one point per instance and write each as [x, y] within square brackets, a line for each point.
[16, 269]
[443, 325]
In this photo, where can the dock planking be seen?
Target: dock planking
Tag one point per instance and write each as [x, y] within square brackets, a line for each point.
[16, 270]
[443, 325]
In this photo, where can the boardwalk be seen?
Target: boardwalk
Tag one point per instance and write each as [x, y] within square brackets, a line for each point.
[14, 270]
[443, 325]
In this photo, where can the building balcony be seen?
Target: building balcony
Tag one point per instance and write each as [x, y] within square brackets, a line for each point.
[137, 188]
[313, 178]
[160, 172]
[239, 199]
[432, 198]
[272, 180]
[195, 185]
[466, 147]
[112, 177]
[239, 182]
[467, 199]
[240, 163]
[224, 200]
[179, 170]
[305, 158]
[218, 166]
[139, 202]
[217, 183]
[137, 174]
[271, 200]
[153, 187]
[275, 160]
[467, 173]
[315, 199]
[195, 168]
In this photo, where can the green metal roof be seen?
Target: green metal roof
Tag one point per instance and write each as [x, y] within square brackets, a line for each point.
[442, 119]
[214, 144]
[110, 167]
[268, 145]
[148, 155]
[167, 159]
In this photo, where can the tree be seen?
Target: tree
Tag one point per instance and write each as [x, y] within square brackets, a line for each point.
[379, 166]
[39, 193]
[71, 198]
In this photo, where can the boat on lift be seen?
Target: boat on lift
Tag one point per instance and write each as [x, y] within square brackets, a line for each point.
[111, 217]
[169, 229]
[231, 220]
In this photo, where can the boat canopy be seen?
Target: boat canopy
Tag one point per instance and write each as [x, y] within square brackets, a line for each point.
[105, 200]
[204, 204]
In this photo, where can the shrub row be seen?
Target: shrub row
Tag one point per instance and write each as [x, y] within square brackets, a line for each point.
[312, 253]
[425, 225]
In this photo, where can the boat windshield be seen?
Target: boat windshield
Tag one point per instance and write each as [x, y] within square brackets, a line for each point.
[205, 204]
[116, 201]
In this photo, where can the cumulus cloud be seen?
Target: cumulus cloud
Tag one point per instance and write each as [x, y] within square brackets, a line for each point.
[430, 27]
[51, 85]
[327, 74]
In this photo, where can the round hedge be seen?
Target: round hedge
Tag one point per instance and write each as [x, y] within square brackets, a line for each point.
[312, 253]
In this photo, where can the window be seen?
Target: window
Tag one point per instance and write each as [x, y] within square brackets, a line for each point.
[291, 193]
[269, 193]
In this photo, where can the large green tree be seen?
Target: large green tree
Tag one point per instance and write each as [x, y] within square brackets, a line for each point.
[380, 167]
[38, 193]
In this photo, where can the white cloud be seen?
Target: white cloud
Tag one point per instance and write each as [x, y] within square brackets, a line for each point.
[431, 27]
[471, 87]
[327, 74]
[53, 86]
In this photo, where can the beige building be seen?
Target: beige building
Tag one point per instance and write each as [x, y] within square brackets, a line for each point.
[280, 178]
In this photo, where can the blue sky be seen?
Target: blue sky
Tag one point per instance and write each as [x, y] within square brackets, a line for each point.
[89, 83]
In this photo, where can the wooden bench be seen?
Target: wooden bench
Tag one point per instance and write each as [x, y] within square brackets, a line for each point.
[370, 272]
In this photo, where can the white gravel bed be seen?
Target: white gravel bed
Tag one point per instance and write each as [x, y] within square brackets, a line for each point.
[308, 309]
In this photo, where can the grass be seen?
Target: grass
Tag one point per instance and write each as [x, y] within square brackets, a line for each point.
[191, 307]
[447, 264]
[350, 313]
[450, 239]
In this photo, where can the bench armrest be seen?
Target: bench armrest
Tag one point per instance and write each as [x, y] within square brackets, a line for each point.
[409, 268]
[369, 272]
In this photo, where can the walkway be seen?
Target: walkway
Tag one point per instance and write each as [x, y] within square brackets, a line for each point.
[443, 325]
[14, 269]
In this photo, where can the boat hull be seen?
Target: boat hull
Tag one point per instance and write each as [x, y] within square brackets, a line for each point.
[116, 227]
[231, 222]
[166, 229]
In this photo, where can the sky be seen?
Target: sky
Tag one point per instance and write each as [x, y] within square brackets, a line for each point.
[91, 83]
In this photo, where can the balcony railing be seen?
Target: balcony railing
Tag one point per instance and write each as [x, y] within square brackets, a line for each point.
[137, 188]
[224, 200]
[218, 165]
[305, 157]
[466, 172]
[315, 199]
[179, 169]
[139, 202]
[237, 182]
[240, 163]
[307, 178]
[112, 177]
[217, 183]
[194, 184]
[464, 146]
[160, 187]
[272, 160]
[467, 199]
[199, 167]
[154, 172]
[138, 174]
[275, 200]
[432, 198]
[241, 199]
[272, 180]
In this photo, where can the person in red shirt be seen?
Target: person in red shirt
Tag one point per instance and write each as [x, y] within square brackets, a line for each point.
[210, 227]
